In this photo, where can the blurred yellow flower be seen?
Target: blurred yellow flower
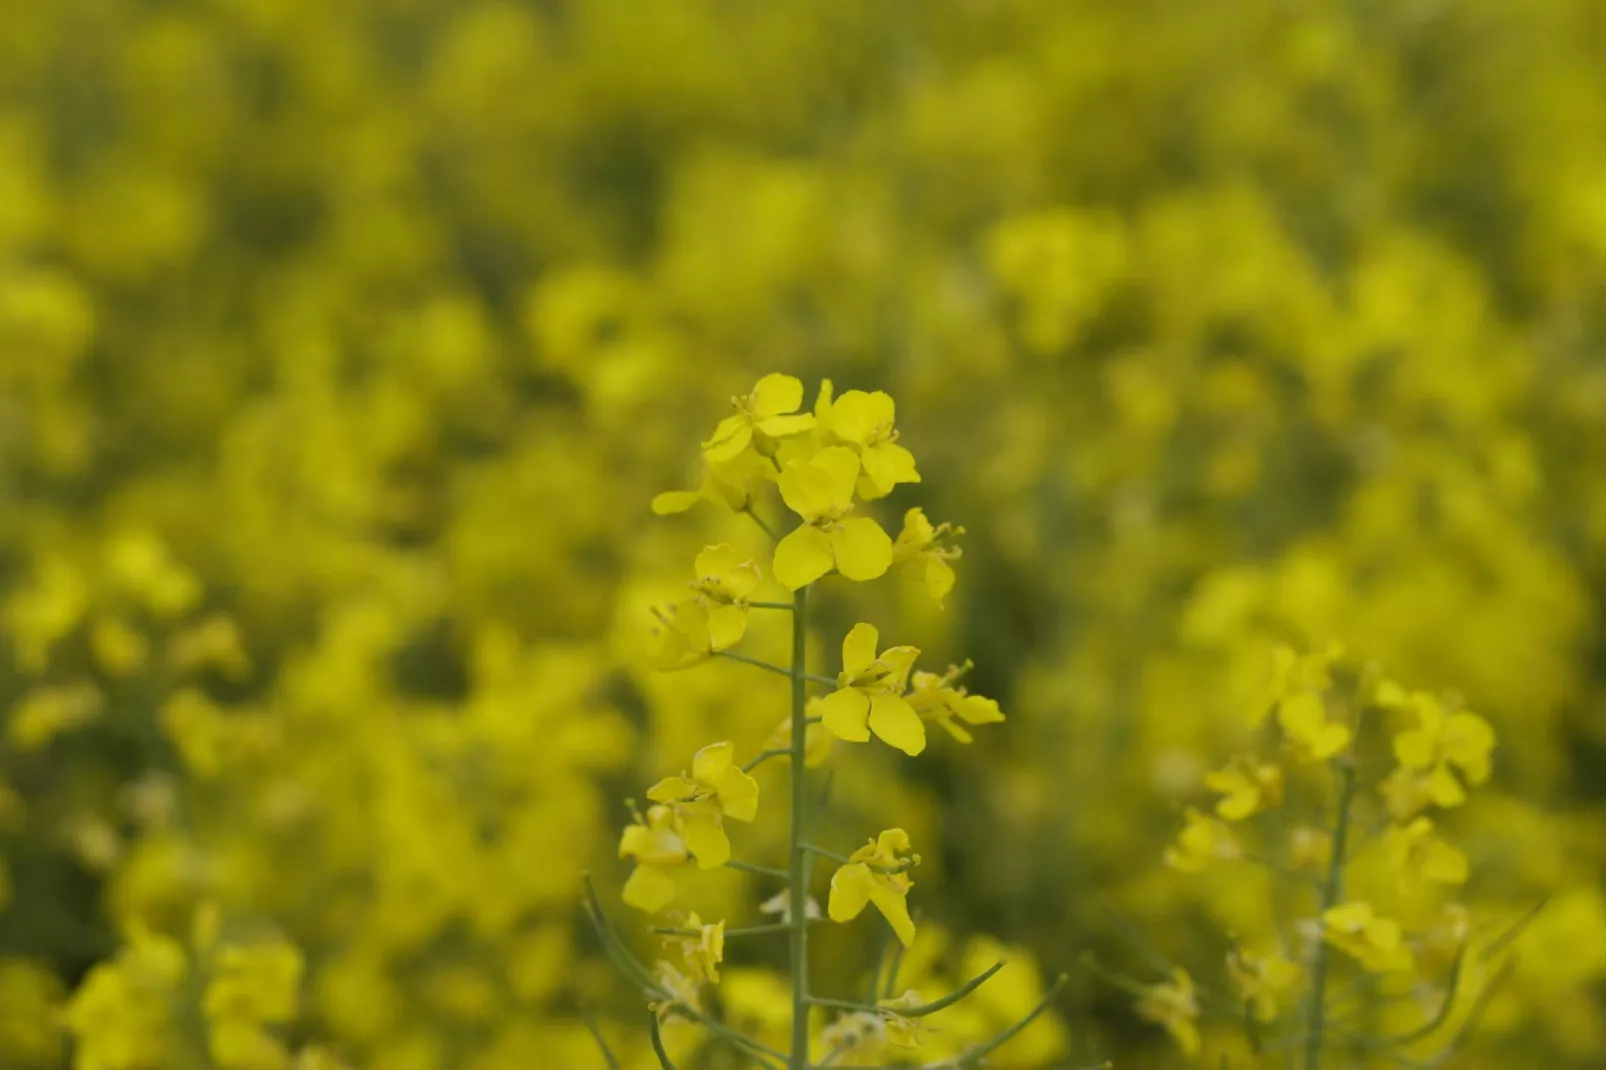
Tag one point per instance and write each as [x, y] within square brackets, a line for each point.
[1172, 1004]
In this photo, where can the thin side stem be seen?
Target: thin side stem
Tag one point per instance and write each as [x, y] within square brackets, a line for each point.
[797, 857]
[760, 663]
[762, 871]
[1330, 895]
[764, 756]
[787, 606]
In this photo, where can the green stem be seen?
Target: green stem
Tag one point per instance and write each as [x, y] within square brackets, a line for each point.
[766, 755]
[797, 856]
[762, 871]
[771, 605]
[760, 663]
[1330, 895]
[919, 1010]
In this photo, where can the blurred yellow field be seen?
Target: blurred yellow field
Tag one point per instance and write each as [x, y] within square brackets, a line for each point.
[500, 499]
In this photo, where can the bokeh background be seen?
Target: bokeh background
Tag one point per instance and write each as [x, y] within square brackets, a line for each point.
[344, 344]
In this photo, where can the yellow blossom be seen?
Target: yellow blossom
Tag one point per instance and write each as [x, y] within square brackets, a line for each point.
[1376, 943]
[1444, 741]
[921, 548]
[715, 789]
[869, 696]
[732, 483]
[856, 1037]
[1303, 716]
[1247, 786]
[704, 951]
[820, 490]
[941, 699]
[1415, 854]
[864, 421]
[1202, 842]
[1293, 674]
[875, 873]
[769, 412]
[680, 990]
[1173, 1005]
[658, 849]
[725, 582]
[1263, 980]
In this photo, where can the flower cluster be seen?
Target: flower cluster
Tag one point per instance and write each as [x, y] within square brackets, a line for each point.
[1379, 953]
[828, 468]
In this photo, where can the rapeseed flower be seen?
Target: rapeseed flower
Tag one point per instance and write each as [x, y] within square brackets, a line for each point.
[875, 873]
[1173, 1005]
[870, 694]
[820, 490]
[768, 413]
[716, 788]
[659, 849]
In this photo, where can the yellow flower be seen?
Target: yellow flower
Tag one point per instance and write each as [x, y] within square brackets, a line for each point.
[1262, 980]
[716, 789]
[1376, 943]
[1202, 841]
[1303, 717]
[864, 422]
[1247, 787]
[704, 951]
[875, 874]
[820, 490]
[921, 549]
[937, 698]
[657, 848]
[1443, 741]
[1172, 1004]
[770, 411]
[1294, 674]
[1310, 848]
[869, 696]
[1415, 854]
[725, 581]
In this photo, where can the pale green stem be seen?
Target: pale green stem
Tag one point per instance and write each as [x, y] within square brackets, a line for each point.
[797, 857]
[1330, 895]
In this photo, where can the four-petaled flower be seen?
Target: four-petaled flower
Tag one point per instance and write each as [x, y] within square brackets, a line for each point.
[1173, 1005]
[715, 790]
[1415, 854]
[1202, 841]
[1303, 716]
[922, 549]
[940, 699]
[1247, 787]
[875, 873]
[1262, 980]
[1443, 741]
[864, 421]
[770, 411]
[725, 581]
[820, 490]
[1376, 943]
[869, 696]
[658, 849]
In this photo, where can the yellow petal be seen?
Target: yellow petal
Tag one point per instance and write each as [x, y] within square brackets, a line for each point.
[672, 789]
[803, 557]
[716, 562]
[1330, 740]
[858, 650]
[890, 844]
[862, 550]
[979, 710]
[897, 724]
[850, 891]
[1302, 715]
[775, 394]
[706, 838]
[731, 437]
[710, 763]
[808, 489]
[1414, 749]
[648, 890]
[738, 794]
[781, 426]
[898, 661]
[889, 464]
[856, 416]
[895, 908]
[841, 468]
[1444, 864]
[671, 502]
[847, 714]
[726, 626]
